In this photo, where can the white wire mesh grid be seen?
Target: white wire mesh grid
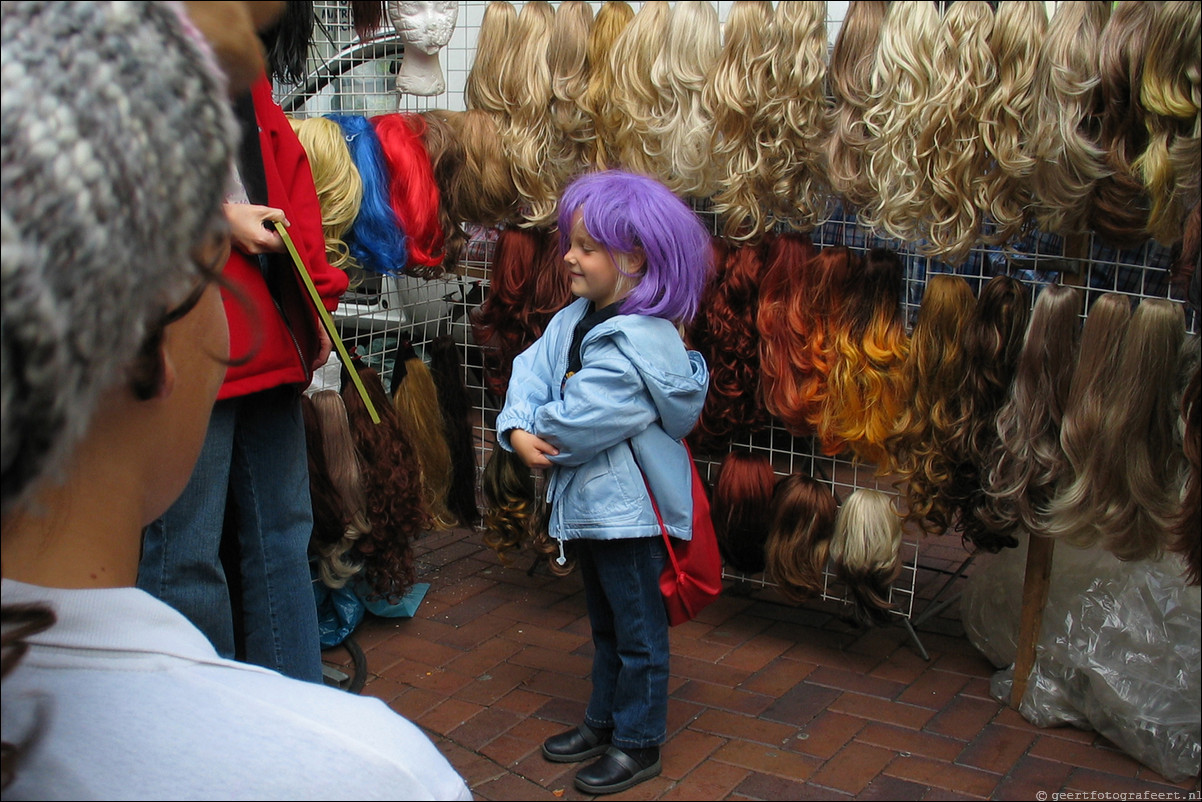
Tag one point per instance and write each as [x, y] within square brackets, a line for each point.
[353, 75]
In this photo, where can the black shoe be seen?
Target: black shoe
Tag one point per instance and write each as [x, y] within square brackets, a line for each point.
[618, 770]
[578, 743]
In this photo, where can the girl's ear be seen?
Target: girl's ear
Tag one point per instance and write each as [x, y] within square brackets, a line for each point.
[637, 263]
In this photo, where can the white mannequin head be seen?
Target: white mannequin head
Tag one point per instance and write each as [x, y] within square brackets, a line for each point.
[425, 28]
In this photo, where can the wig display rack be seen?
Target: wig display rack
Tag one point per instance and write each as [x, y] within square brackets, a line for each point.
[353, 76]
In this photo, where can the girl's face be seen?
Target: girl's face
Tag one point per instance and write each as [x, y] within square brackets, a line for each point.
[591, 269]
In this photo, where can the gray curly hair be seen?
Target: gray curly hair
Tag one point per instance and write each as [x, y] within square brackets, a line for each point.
[117, 142]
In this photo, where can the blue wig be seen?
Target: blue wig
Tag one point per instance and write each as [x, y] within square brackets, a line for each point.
[376, 239]
[625, 212]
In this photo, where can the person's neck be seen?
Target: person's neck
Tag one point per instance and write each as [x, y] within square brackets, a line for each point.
[77, 534]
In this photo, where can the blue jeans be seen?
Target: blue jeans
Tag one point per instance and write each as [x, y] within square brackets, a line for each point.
[254, 459]
[630, 638]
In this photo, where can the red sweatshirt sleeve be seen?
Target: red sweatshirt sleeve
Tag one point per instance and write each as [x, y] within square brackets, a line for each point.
[292, 189]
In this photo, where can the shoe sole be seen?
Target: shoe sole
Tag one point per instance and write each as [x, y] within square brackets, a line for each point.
[595, 751]
[646, 774]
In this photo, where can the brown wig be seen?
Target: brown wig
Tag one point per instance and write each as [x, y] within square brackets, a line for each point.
[724, 332]
[803, 521]
[1097, 366]
[527, 286]
[1029, 460]
[446, 368]
[742, 504]
[1186, 536]
[326, 546]
[1119, 212]
[931, 377]
[416, 401]
[392, 481]
[509, 503]
[864, 550]
[446, 154]
[344, 470]
[482, 192]
[1139, 467]
[993, 339]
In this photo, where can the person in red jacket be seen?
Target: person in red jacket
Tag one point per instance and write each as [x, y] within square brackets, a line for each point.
[251, 480]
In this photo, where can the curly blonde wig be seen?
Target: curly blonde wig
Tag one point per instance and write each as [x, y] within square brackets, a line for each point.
[1008, 113]
[567, 59]
[1064, 144]
[850, 78]
[737, 97]
[798, 117]
[694, 41]
[902, 82]
[636, 97]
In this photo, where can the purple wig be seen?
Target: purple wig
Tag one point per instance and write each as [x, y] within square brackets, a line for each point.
[624, 212]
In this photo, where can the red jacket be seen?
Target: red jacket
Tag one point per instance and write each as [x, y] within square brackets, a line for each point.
[278, 335]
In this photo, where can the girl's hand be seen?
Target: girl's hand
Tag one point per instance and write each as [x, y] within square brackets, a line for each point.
[531, 449]
[248, 227]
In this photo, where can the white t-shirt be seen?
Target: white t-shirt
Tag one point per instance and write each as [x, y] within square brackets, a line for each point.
[123, 698]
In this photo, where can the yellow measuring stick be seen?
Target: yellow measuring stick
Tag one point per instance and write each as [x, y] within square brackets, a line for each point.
[327, 320]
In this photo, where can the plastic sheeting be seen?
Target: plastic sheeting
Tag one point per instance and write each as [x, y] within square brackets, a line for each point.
[1119, 652]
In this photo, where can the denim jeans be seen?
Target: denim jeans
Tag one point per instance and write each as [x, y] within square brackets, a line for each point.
[254, 459]
[630, 638]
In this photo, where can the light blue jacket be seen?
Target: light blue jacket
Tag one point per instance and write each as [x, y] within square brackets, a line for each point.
[638, 384]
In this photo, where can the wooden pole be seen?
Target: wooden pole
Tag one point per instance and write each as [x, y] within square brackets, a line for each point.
[1035, 598]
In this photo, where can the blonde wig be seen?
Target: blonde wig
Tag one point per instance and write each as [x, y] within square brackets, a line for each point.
[344, 469]
[803, 520]
[864, 552]
[1029, 460]
[1139, 480]
[1068, 514]
[850, 78]
[869, 343]
[597, 101]
[902, 84]
[798, 115]
[954, 156]
[567, 59]
[415, 399]
[482, 91]
[1068, 160]
[636, 97]
[694, 40]
[1119, 212]
[931, 377]
[1171, 92]
[336, 179]
[526, 132]
[737, 97]
[1008, 116]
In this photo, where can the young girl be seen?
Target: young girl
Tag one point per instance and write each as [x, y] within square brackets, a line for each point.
[603, 400]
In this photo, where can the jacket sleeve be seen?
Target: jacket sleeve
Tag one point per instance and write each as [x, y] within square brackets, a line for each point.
[529, 388]
[299, 197]
[603, 404]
